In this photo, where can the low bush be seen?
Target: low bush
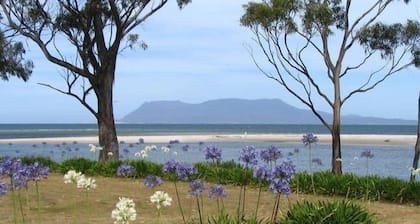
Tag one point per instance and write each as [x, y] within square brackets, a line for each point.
[328, 213]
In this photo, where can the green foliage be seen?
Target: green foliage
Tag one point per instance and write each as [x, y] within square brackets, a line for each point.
[224, 218]
[11, 59]
[352, 186]
[223, 173]
[145, 168]
[80, 164]
[328, 213]
[54, 167]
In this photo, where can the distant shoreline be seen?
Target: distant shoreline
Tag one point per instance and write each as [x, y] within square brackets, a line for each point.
[362, 139]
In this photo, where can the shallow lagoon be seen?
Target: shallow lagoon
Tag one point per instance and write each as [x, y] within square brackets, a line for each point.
[392, 161]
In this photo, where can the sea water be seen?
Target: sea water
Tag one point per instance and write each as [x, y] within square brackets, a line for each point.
[388, 160]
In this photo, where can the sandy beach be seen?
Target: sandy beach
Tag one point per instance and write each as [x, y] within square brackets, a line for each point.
[323, 138]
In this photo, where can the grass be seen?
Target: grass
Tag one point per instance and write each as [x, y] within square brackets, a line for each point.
[63, 203]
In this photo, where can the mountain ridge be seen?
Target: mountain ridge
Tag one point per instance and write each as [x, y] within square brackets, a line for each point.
[239, 111]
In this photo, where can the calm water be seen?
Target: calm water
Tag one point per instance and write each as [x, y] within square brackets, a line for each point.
[65, 130]
[387, 161]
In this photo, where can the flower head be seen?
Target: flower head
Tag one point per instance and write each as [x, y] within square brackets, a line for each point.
[213, 153]
[126, 170]
[86, 183]
[94, 148]
[3, 188]
[38, 171]
[309, 138]
[248, 156]
[165, 149]
[284, 171]
[161, 199]
[217, 191]
[18, 173]
[317, 161]
[151, 181]
[182, 170]
[262, 173]
[142, 154]
[124, 211]
[271, 154]
[197, 187]
[368, 154]
[280, 186]
[71, 177]
[414, 172]
[185, 148]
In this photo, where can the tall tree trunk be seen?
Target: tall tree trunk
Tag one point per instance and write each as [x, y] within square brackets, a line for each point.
[336, 140]
[106, 126]
[336, 128]
[417, 147]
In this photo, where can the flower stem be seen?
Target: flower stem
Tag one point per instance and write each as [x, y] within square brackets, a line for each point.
[38, 202]
[199, 209]
[258, 199]
[179, 202]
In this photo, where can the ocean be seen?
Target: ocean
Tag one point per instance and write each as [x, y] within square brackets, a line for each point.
[388, 161]
[75, 130]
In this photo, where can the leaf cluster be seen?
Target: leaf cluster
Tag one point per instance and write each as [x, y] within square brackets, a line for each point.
[328, 213]
[387, 38]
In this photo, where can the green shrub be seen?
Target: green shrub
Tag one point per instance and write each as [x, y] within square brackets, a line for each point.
[80, 164]
[328, 213]
[54, 167]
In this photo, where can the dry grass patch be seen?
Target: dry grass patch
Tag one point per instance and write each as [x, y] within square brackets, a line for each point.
[64, 203]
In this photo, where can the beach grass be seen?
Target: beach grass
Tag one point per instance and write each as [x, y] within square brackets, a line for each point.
[64, 203]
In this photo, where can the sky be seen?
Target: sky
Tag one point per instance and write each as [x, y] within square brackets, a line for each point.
[196, 54]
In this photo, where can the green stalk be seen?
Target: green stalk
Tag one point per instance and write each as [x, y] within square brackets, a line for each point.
[179, 202]
[199, 209]
[38, 202]
[258, 199]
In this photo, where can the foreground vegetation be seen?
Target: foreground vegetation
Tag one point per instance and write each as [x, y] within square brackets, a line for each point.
[257, 188]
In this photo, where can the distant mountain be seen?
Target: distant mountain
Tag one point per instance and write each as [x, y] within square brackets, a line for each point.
[237, 111]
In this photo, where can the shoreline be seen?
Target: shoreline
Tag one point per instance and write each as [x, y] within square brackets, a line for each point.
[368, 139]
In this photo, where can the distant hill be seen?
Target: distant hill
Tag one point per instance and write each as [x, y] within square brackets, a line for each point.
[238, 111]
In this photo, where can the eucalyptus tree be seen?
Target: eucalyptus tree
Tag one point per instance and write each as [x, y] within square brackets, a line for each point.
[12, 62]
[85, 38]
[327, 51]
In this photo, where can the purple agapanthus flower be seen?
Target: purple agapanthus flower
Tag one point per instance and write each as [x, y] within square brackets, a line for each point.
[151, 181]
[217, 191]
[271, 154]
[38, 171]
[126, 170]
[309, 138]
[3, 188]
[213, 153]
[182, 170]
[197, 187]
[317, 161]
[18, 173]
[248, 156]
[368, 154]
[284, 171]
[262, 173]
[170, 166]
[280, 186]
[185, 148]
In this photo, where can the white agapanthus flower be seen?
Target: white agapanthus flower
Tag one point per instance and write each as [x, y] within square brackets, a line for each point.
[161, 199]
[72, 177]
[149, 148]
[143, 154]
[94, 148]
[414, 172]
[124, 211]
[175, 153]
[165, 149]
[86, 183]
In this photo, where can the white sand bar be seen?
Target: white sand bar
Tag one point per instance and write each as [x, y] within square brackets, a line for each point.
[323, 138]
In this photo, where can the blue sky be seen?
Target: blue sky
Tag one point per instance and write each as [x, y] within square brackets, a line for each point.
[194, 55]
